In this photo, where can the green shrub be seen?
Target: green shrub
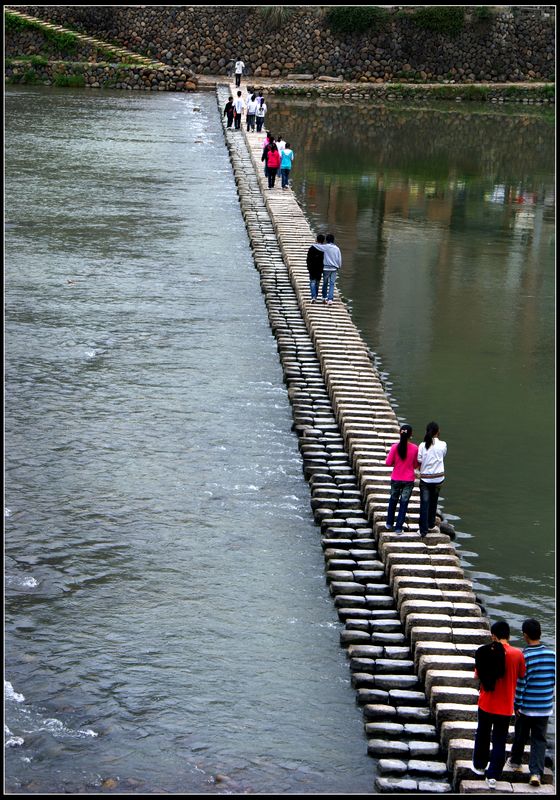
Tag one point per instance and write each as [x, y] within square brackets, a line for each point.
[483, 13]
[275, 17]
[69, 80]
[355, 19]
[449, 20]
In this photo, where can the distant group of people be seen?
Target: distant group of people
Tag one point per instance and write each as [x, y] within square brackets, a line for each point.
[519, 682]
[277, 155]
[254, 107]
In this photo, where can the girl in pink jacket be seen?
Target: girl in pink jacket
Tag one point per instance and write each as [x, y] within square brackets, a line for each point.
[403, 457]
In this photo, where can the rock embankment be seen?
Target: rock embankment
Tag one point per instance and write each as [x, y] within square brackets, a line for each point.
[513, 43]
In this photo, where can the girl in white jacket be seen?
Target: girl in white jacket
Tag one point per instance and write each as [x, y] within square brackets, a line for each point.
[431, 453]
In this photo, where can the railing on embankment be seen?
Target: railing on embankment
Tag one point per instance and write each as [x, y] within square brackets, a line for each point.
[411, 619]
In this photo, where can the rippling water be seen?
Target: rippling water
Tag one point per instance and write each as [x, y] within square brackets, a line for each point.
[167, 618]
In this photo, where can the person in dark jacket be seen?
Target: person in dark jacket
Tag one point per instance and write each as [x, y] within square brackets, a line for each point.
[229, 111]
[315, 267]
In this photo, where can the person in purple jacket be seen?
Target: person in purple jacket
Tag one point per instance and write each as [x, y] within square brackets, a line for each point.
[403, 457]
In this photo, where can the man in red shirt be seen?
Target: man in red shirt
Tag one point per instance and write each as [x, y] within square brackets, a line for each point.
[495, 710]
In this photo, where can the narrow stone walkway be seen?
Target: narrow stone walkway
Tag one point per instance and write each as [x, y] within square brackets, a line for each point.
[411, 620]
[125, 55]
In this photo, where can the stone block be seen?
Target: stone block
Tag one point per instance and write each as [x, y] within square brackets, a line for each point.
[395, 785]
[449, 677]
[391, 730]
[377, 711]
[391, 766]
[387, 747]
[455, 712]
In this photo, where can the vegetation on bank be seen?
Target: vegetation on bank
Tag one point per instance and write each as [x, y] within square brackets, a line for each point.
[55, 41]
[405, 91]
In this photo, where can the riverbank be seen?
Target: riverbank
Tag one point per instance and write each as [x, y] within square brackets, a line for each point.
[537, 93]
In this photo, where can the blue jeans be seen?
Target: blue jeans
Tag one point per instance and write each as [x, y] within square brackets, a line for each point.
[329, 280]
[400, 490]
[491, 727]
[429, 493]
[285, 177]
[314, 286]
[534, 727]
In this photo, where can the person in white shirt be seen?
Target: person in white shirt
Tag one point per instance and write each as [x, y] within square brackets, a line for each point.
[239, 107]
[238, 69]
[431, 453]
[260, 115]
[252, 106]
[280, 144]
[332, 262]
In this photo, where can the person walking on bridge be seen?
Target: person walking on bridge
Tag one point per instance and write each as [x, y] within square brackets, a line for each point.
[533, 703]
[238, 69]
[229, 111]
[272, 163]
[252, 106]
[431, 453]
[239, 107]
[495, 706]
[260, 113]
[403, 458]
[315, 266]
[332, 262]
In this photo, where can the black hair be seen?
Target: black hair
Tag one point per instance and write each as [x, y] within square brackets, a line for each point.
[320, 238]
[287, 145]
[330, 238]
[432, 429]
[500, 629]
[406, 433]
[532, 628]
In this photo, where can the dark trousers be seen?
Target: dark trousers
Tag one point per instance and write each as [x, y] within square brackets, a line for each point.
[230, 120]
[429, 493]
[238, 122]
[535, 729]
[492, 729]
[271, 171]
[237, 79]
[260, 122]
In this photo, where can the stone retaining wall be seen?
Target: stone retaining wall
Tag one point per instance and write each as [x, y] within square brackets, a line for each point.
[99, 76]
[411, 619]
[514, 45]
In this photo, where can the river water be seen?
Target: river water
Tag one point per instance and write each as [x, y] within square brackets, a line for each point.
[446, 220]
[167, 617]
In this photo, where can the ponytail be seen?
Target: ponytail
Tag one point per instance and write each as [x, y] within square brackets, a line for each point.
[432, 429]
[406, 433]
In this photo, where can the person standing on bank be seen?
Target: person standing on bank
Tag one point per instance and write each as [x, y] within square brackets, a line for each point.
[332, 262]
[286, 160]
[495, 709]
[239, 107]
[533, 702]
[238, 69]
[315, 267]
[229, 111]
[272, 164]
[403, 458]
[431, 453]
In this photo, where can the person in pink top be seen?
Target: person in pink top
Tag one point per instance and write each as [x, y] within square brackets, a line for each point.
[403, 457]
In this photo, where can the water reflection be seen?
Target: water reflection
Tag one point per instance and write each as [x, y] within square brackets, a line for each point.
[446, 223]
